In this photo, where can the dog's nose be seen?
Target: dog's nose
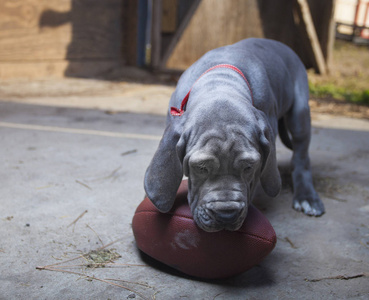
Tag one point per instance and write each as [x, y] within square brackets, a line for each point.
[225, 212]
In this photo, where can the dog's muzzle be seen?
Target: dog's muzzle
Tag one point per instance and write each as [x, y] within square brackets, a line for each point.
[218, 215]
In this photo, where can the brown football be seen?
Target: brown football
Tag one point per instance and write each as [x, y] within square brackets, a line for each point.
[174, 239]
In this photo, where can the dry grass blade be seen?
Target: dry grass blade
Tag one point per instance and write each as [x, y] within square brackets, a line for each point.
[59, 263]
[83, 184]
[79, 217]
[89, 227]
[112, 174]
[290, 242]
[129, 152]
[94, 278]
[137, 283]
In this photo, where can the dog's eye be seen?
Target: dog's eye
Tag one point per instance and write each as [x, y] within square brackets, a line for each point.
[203, 164]
[247, 168]
[201, 169]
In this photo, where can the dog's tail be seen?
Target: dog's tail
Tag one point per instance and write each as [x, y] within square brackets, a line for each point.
[283, 133]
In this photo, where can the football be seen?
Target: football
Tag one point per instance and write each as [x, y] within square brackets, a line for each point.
[174, 239]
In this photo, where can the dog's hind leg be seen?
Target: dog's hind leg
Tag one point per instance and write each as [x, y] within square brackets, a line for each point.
[305, 198]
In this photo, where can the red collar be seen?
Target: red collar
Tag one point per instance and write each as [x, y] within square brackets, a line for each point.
[174, 111]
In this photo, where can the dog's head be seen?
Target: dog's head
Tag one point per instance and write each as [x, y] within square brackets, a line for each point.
[223, 165]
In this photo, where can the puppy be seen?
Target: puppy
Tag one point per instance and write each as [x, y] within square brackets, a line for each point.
[221, 128]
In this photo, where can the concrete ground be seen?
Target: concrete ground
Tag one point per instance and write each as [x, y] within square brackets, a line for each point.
[71, 179]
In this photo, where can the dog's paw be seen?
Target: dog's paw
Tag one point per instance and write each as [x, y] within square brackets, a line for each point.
[311, 207]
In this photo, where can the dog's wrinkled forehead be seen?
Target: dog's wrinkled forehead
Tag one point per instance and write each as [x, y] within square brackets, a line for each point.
[222, 141]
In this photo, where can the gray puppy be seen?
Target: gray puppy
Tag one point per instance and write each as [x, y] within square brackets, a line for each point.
[221, 129]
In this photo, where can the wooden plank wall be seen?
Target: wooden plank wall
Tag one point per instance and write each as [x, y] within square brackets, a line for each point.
[217, 23]
[40, 38]
[214, 24]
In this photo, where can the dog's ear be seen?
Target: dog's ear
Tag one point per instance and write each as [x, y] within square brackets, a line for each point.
[270, 178]
[164, 174]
